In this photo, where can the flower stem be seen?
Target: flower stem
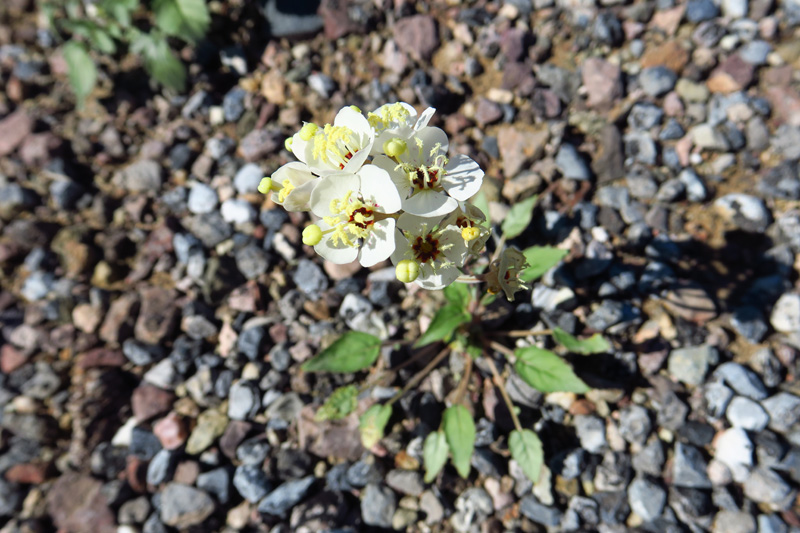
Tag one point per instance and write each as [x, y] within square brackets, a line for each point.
[502, 349]
[522, 332]
[498, 380]
[462, 385]
[468, 279]
[420, 375]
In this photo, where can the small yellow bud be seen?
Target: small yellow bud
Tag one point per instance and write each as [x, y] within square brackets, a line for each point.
[288, 143]
[407, 270]
[470, 234]
[308, 130]
[312, 235]
[355, 108]
[265, 186]
[394, 147]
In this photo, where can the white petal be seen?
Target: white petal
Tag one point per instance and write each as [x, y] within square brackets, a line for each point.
[354, 120]
[296, 172]
[378, 189]
[451, 241]
[424, 118]
[444, 276]
[341, 255]
[416, 225]
[463, 178]
[402, 249]
[379, 245]
[399, 178]
[298, 199]
[331, 187]
[431, 137]
[358, 159]
[429, 203]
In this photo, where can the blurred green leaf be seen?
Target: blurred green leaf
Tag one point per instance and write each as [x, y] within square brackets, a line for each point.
[518, 217]
[444, 323]
[102, 41]
[120, 10]
[434, 454]
[480, 201]
[339, 404]
[526, 449]
[187, 19]
[373, 423]
[459, 429]
[594, 344]
[80, 69]
[458, 294]
[351, 352]
[545, 371]
[541, 259]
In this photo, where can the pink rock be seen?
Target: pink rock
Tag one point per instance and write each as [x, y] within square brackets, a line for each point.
[668, 20]
[149, 401]
[603, 82]
[733, 74]
[673, 105]
[171, 431]
[13, 130]
[785, 103]
[101, 357]
[11, 359]
[36, 149]
[488, 112]
[74, 501]
[518, 146]
[417, 35]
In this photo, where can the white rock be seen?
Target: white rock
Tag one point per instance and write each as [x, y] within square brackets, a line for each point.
[735, 451]
[747, 414]
[786, 314]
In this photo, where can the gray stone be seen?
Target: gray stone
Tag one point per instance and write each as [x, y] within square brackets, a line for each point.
[634, 424]
[784, 411]
[771, 523]
[571, 163]
[236, 211]
[310, 279]
[281, 500]
[405, 482]
[706, 137]
[244, 400]
[689, 468]
[216, 482]
[695, 188]
[532, 509]
[141, 176]
[252, 261]
[591, 431]
[657, 81]
[292, 19]
[202, 199]
[644, 115]
[183, 506]
[248, 178]
[251, 482]
[647, 499]
[735, 450]
[747, 212]
[733, 521]
[650, 459]
[378, 504]
[766, 486]
[640, 147]
[717, 397]
[700, 10]
[754, 52]
[690, 365]
[746, 414]
[161, 467]
[742, 380]
[210, 228]
[10, 497]
[785, 315]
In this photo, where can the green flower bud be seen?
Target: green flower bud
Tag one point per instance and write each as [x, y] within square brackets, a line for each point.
[288, 143]
[407, 270]
[394, 147]
[265, 186]
[308, 130]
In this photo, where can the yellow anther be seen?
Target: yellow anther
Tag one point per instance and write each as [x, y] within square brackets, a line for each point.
[470, 234]
[407, 270]
[312, 235]
[288, 143]
[394, 147]
[308, 130]
[265, 186]
[284, 192]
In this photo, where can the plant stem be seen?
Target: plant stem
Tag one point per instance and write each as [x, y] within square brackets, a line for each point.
[502, 349]
[498, 380]
[462, 385]
[522, 332]
[411, 360]
[420, 375]
[499, 248]
[468, 279]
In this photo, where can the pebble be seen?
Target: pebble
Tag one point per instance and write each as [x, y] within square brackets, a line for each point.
[658, 81]
[689, 467]
[183, 506]
[634, 424]
[378, 504]
[647, 499]
[251, 482]
[244, 400]
[784, 411]
[248, 178]
[591, 431]
[767, 487]
[690, 365]
[202, 199]
[745, 211]
[735, 450]
[571, 163]
[236, 211]
[141, 176]
[746, 414]
[310, 279]
[742, 380]
[532, 509]
[281, 500]
[785, 316]
[700, 10]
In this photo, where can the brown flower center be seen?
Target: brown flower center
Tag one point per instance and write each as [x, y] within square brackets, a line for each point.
[426, 248]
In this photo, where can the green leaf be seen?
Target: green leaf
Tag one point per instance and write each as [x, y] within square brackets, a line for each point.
[480, 201]
[120, 10]
[444, 323]
[351, 352]
[526, 449]
[102, 41]
[187, 19]
[164, 66]
[545, 371]
[434, 454]
[373, 423]
[594, 344]
[518, 217]
[339, 404]
[458, 294]
[81, 70]
[541, 259]
[459, 428]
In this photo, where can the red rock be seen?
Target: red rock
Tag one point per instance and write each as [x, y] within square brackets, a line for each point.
[149, 401]
[186, 472]
[11, 359]
[171, 431]
[668, 20]
[517, 146]
[785, 103]
[74, 501]
[733, 74]
[336, 22]
[259, 143]
[30, 473]
[488, 112]
[670, 54]
[101, 357]
[514, 44]
[118, 324]
[234, 434]
[330, 438]
[603, 81]
[158, 315]
[13, 130]
[417, 35]
[136, 474]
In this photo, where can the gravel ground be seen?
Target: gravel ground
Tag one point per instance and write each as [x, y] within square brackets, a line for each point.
[155, 308]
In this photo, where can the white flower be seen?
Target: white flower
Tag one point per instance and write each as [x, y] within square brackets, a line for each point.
[292, 185]
[438, 250]
[430, 184]
[398, 120]
[504, 273]
[353, 208]
[342, 146]
[470, 220]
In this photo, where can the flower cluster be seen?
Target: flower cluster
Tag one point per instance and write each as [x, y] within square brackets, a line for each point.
[382, 186]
